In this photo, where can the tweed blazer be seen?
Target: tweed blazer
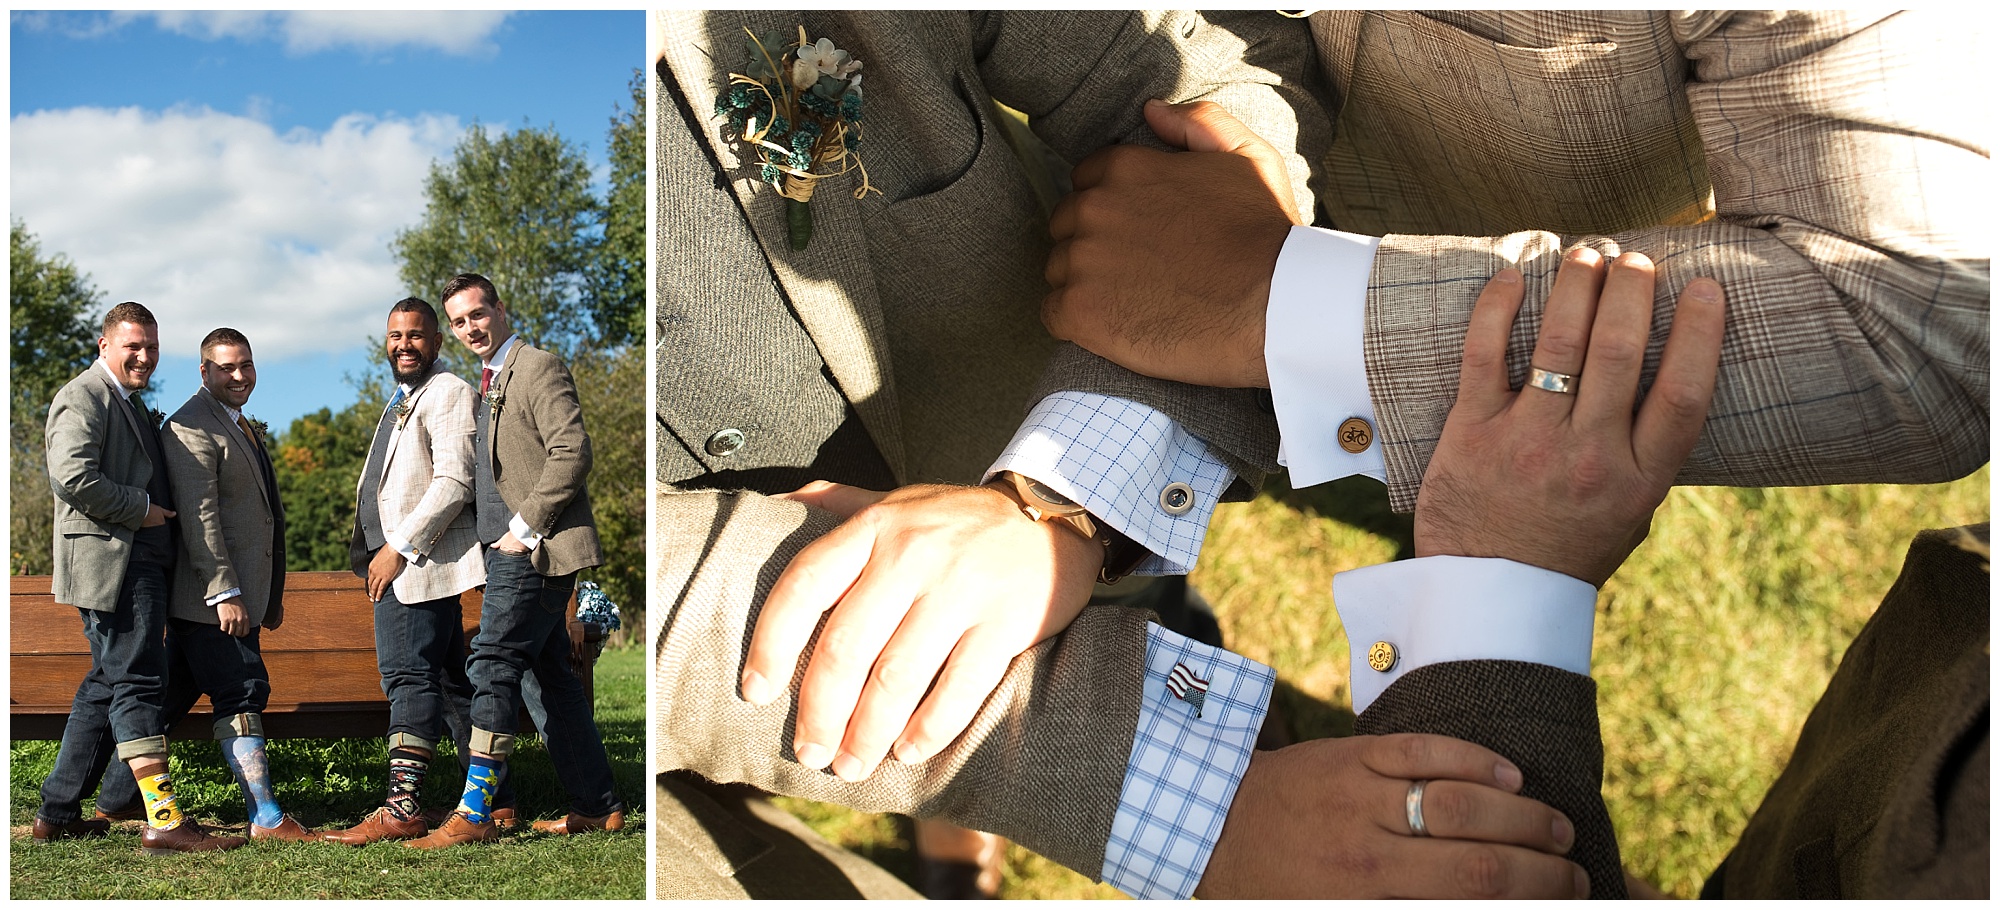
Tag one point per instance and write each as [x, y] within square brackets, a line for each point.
[540, 455]
[1829, 169]
[98, 472]
[230, 521]
[923, 299]
[425, 491]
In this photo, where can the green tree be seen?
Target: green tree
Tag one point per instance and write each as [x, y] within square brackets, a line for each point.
[317, 460]
[618, 273]
[610, 386]
[517, 208]
[53, 337]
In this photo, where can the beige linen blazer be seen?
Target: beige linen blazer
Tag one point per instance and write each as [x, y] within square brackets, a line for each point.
[228, 518]
[98, 472]
[426, 493]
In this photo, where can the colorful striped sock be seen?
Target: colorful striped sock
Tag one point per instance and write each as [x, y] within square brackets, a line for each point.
[406, 778]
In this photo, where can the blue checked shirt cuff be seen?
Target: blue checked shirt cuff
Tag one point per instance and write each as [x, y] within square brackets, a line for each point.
[1116, 457]
[1184, 768]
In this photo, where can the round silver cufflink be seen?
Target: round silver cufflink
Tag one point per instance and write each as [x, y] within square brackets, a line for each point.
[1177, 498]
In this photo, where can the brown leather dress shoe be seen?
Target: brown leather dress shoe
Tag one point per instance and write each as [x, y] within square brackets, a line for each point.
[583, 824]
[504, 817]
[134, 814]
[457, 830]
[45, 830]
[288, 829]
[186, 837]
[379, 825]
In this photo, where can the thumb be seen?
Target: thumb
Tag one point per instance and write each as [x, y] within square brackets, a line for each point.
[838, 498]
[1204, 126]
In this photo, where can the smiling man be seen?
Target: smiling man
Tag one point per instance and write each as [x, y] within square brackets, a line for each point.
[231, 578]
[415, 544]
[114, 548]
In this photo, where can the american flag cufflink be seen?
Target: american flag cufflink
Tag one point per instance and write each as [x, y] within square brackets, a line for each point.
[1188, 687]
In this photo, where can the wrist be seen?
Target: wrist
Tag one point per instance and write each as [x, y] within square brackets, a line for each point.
[1111, 556]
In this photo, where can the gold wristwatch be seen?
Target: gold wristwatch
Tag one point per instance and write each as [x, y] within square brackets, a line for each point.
[1121, 554]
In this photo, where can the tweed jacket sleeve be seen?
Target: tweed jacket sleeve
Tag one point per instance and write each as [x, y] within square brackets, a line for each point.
[75, 437]
[1541, 718]
[195, 454]
[1844, 153]
[540, 387]
[1043, 761]
[440, 425]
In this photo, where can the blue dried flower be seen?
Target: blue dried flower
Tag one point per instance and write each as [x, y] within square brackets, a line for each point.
[850, 106]
[770, 174]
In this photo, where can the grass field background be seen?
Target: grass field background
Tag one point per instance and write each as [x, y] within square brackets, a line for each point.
[334, 783]
[1713, 642]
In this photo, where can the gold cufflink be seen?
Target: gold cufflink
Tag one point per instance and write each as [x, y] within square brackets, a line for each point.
[1381, 656]
[1355, 435]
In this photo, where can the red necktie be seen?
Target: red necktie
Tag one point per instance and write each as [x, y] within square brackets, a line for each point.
[485, 379]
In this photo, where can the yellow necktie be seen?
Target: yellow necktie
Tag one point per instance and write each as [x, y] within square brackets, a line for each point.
[249, 433]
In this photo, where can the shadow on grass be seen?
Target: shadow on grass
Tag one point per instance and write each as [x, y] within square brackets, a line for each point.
[1358, 502]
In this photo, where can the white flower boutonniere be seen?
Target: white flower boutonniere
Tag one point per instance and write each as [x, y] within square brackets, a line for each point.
[403, 409]
[798, 108]
[493, 400]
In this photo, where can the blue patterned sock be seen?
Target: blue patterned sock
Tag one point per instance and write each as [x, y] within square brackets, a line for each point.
[245, 755]
[480, 781]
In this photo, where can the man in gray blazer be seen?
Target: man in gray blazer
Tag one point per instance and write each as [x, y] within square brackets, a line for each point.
[114, 554]
[531, 459]
[415, 545]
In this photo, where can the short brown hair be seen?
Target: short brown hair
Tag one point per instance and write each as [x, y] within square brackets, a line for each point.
[128, 312]
[467, 280]
[222, 336]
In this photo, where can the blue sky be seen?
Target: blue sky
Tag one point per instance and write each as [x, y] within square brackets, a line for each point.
[249, 169]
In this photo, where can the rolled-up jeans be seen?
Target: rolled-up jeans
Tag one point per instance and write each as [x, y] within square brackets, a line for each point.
[523, 632]
[118, 709]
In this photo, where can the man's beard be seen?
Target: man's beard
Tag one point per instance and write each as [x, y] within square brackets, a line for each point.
[423, 369]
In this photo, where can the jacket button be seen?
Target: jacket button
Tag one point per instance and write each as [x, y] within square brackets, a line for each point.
[725, 442]
[1355, 435]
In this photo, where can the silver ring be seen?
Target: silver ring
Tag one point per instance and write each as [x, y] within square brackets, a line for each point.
[1552, 381]
[1413, 808]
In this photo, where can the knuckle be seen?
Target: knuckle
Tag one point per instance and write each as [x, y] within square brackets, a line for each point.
[1481, 873]
[841, 651]
[1560, 345]
[1619, 351]
[899, 673]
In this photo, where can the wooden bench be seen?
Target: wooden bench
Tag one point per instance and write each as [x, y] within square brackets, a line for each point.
[324, 682]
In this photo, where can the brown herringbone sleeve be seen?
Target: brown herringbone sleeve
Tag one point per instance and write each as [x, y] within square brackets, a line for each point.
[1042, 763]
[1541, 718]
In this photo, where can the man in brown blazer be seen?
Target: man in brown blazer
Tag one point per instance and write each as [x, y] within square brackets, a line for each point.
[415, 546]
[531, 458]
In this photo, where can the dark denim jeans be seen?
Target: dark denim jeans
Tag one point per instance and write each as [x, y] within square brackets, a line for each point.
[523, 636]
[420, 649]
[122, 699]
[203, 659]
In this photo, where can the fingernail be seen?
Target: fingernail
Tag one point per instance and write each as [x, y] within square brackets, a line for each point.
[1565, 833]
[1582, 884]
[908, 753]
[1507, 276]
[1508, 775]
[1705, 289]
[813, 755]
[1584, 254]
[1155, 103]
[849, 768]
[756, 689]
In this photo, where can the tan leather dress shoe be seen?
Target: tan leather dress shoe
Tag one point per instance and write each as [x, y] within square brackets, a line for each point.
[45, 830]
[134, 814]
[457, 830]
[504, 817]
[288, 829]
[583, 824]
[379, 825]
[186, 837]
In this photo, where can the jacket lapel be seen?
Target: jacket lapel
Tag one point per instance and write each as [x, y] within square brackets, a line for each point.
[831, 284]
[229, 428]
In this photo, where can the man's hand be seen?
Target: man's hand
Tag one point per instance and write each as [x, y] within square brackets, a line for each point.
[234, 619]
[1325, 819]
[382, 570]
[1162, 262]
[926, 582]
[510, 545]
[155, 516]
[1569, 482]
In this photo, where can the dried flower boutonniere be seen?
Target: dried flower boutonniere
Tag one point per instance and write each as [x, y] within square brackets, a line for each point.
[403, 409]
[799, 107]
[494, 399]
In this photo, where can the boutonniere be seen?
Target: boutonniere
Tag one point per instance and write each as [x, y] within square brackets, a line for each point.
[262, 429]
[158, 417]
[799, 107]
[403, 409]
[494, 399]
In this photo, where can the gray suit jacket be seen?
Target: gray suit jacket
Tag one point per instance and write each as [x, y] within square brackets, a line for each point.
[541, 458]
[426, 491]
[98, 471]
[230, 521]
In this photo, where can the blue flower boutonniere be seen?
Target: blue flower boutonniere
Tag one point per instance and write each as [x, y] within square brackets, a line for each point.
[403, 409]
[799, 107]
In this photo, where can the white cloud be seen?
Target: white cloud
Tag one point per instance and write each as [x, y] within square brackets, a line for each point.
[215, 219]
[302, 31]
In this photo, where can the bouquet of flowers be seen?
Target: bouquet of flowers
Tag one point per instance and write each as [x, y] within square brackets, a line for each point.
[799, 106]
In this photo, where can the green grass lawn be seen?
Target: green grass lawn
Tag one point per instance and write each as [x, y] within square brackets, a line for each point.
[334, 783]
[1713, 642]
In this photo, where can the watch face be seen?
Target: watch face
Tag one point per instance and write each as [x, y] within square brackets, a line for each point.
[1047, 495]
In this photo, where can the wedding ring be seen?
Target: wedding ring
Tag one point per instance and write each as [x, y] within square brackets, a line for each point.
[1413, 808]
[1552, 381]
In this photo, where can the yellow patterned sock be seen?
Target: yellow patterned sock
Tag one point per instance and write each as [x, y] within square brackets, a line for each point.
[161, 810]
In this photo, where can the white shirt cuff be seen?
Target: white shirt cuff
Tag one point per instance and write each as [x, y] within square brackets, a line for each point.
[523, 533]
[1185, 766]
[1121, 459]
[232, 592]
[1448, 608]
[1313, 330]
[396, 542]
